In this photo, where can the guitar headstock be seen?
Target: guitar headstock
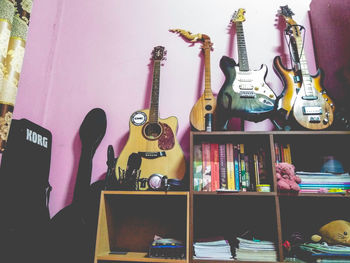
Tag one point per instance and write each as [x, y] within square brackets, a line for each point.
[287, 14]
[158, 53]
[238, 16]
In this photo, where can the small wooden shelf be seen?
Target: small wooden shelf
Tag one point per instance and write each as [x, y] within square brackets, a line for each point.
[136, 257]
[129, 220]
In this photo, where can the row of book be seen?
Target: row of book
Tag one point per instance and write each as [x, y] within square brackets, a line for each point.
[282, 153]
[320, 182]
[228, 166]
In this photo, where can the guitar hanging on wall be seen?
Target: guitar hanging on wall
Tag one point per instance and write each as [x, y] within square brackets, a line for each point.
[244, 92]
[303, 97]
[202, 116]
[153, 139]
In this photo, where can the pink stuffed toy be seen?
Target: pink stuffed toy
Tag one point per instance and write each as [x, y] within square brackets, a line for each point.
[286, 178]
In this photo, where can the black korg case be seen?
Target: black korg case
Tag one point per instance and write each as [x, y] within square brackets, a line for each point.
[24, 191]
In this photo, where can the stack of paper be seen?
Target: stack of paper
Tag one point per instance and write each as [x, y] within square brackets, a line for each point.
[255, 250]
[321, 252]
[219, 250]
[316, 182]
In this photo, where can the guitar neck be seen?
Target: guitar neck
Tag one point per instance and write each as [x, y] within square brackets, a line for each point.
[154, 108]
[207, 79]
[307, 80]
[242, 50]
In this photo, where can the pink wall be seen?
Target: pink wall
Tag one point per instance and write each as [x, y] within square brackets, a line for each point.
[83, 54]
[331, 23]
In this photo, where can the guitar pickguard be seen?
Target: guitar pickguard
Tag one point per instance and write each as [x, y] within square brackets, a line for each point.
[167, 140]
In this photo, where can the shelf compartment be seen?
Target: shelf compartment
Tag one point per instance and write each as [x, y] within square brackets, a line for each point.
[136, 257]
[308, 149]
[306, 214]
[230, 216]
[128, 220]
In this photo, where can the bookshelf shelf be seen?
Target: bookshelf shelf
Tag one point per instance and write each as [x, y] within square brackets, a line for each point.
[136, 257]
[235, 193]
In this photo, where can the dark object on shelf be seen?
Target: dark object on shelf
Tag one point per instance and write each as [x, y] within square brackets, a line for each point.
[331, 165]
[24, 191]
[167, 248]
[73, 229]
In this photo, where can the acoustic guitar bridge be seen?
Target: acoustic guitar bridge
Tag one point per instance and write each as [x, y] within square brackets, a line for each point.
[152, 155]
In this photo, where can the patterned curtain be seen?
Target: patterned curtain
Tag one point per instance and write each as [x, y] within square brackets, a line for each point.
[14, 22]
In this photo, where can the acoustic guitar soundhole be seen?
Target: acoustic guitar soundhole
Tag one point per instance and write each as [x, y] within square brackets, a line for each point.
[152, 131]
[208, 107]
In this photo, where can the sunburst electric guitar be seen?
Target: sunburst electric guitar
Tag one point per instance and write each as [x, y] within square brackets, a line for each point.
[152, 138]
[244, 92]
[303, 97]
[202, 116]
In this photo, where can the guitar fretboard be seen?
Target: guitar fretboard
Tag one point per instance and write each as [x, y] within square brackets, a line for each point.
[207, 84]
[154, 108]
[307, 80]
[242, 50]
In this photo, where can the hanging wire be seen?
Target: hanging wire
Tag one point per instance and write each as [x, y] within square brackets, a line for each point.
[287, 32]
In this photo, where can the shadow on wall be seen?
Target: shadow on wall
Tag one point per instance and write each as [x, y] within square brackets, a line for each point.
[330, 28]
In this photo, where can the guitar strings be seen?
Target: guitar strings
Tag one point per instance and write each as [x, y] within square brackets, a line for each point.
[293, 60]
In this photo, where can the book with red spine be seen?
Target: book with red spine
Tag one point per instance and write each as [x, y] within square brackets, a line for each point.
[230, 165]
[222, 166]
[214, 163]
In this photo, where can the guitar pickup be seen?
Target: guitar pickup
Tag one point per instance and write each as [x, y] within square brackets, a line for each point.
[152, 155]
[312, 110]
[309, 97]
[247, 94]
[314, 119]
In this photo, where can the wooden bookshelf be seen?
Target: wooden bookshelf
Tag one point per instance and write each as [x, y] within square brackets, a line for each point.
[193, 214]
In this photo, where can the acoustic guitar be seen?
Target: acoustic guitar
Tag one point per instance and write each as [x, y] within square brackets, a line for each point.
[153, 139]
[244, 92]
[303, 97]
[202, 116]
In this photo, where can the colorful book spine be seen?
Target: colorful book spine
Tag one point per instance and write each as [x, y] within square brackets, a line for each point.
[214, 163]
[247, 172]
[288, 153]
[206, 166]
[243, 168]
[282, 151]
[262, 166]
[229, 163]
[236, 167]
[197, 168]
[277, 153]
[222, 166]
[256, 169]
